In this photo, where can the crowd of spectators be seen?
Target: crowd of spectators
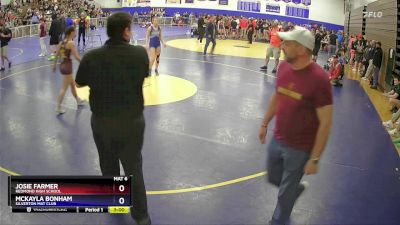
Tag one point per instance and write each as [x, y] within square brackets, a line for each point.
[27, 12]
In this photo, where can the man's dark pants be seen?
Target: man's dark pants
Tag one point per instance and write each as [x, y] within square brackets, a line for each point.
[120, 138]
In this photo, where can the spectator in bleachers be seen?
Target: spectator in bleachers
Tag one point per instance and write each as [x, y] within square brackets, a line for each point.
[35, 18]
[394, 94]
[393, 125]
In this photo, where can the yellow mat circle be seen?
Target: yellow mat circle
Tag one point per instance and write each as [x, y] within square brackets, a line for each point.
[238, 48]
[158, 90]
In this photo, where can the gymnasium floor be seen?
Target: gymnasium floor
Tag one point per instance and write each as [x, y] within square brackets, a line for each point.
[203, 163]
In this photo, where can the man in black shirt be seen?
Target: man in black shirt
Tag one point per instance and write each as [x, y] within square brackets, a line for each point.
[115, 74]
[211, 34]
[377, 61]
[200, 28]
[54, 33]
[368, 56]
[333, 43]
[317, 44]
[63, 25]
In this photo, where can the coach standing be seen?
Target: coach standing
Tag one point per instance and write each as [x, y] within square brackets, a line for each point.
[115, 75]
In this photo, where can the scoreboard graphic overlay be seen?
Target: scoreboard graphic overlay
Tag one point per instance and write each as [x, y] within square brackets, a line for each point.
[70, 194]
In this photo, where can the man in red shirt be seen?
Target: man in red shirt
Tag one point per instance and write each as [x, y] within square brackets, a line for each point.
[42, 37]
[243, 23]
[302, 105]
[274, 48]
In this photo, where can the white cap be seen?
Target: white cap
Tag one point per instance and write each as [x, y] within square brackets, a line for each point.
[300, 35]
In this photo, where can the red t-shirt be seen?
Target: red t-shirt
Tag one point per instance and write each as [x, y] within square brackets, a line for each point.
[299, 94]
[335, 71]
[42, 30]
[243, 23]
[275, 41]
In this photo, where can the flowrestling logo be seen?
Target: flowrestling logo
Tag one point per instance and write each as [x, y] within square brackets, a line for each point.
[373, 14]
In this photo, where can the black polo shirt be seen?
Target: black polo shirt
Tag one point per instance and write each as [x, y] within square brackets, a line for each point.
[4, 40]
[115, 74]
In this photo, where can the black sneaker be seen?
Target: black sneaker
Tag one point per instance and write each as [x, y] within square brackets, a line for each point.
[2, 69]
[141, 219]
[144, 221]
[338, 84]
[156, 72]
[274, 70]
[264, 67]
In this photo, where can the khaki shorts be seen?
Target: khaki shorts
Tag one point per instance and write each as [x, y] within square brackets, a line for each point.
[274, 51]
[4, 50]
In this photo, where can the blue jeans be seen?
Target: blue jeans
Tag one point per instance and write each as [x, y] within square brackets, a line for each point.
[285, 167]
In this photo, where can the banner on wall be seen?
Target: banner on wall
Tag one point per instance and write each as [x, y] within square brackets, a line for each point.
[135, 3]
[158, 9]
[173, 1]
[297, 12]
[250, 6]
[306, 2]
[273, 8]
[143, 2]
[297, 2]
[223, 2]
